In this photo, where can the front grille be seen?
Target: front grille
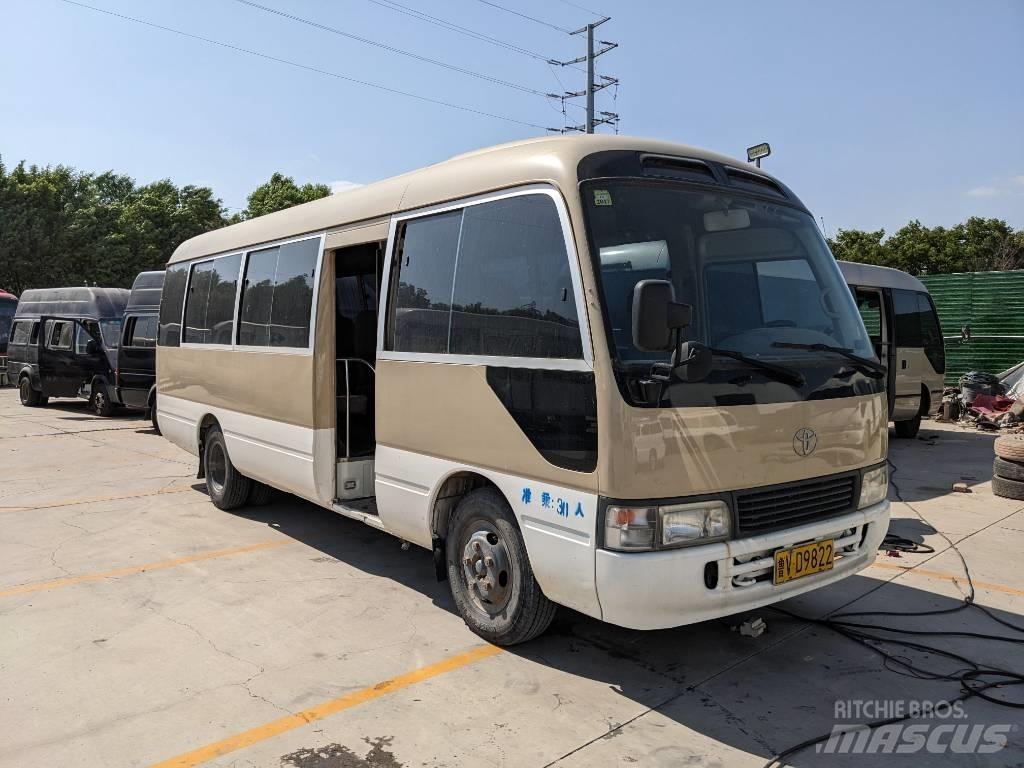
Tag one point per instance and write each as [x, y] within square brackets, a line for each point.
[783, 506]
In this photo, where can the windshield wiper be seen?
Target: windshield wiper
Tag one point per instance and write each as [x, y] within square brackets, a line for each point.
[780, 372]
[873, 369]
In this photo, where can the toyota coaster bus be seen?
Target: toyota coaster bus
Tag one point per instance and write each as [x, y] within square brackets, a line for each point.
[469, 356]
[901, 320]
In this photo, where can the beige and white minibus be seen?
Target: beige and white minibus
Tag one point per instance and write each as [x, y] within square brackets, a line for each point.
[619, 375]
[901, 320]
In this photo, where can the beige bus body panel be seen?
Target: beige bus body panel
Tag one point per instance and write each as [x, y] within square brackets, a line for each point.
[451, 412]
[243, 381]
[743, 446]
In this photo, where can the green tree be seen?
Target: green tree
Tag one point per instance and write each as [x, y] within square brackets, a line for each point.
[856, 245]
[279, 193]
[59, 226]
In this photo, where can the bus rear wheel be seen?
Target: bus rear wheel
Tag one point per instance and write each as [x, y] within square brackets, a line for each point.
[228, 488]
[489, 572]
[908, 429]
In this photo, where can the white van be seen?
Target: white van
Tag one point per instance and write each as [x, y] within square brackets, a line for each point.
[900, 318]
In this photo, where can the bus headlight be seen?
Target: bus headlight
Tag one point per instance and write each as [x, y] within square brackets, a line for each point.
[630, 528]
[640, 529]
[685, 523]
[874, 486]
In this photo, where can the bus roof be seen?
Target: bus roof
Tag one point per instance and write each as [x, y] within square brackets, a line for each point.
[95, 303]
[873, 276]
[146, 290]
[543, 159]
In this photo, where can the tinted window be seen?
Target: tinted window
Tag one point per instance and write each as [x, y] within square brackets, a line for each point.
[20, 332]
[257, 298]
[141, 332]
[277, 295]
[513, 288]
[210, 306]
[908, 319]
[293, 294]
[35, 332]
[421, 300]
[170, 305]
[931, 333]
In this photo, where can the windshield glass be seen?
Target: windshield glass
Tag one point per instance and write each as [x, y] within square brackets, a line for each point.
[756, 273]
[111, 332]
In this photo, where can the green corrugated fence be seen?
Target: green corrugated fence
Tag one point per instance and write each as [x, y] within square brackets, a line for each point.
[992, 303]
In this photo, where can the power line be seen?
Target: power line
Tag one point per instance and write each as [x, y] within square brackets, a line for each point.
[307, 67]
[400, 51]
[444, 24]
[524, 16]
[582, 8]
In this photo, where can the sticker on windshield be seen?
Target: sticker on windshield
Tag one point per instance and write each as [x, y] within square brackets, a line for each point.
[602, 197]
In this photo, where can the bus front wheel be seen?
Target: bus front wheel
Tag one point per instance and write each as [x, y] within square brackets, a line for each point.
[228, 488]
[489, 572]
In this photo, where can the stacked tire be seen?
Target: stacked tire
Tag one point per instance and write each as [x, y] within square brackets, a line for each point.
[1008, 467]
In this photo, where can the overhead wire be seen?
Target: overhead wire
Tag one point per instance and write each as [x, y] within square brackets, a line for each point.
[522, 15]
[309, 68]
[394, 49]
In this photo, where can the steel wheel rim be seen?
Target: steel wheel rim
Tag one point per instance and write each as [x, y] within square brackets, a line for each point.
[216, 467]
[100, 401]
[25, 389]
[487, 569]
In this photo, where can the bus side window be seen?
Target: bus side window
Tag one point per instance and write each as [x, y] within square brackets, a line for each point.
[908, 319]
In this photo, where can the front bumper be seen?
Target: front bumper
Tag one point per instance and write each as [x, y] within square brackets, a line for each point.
[656, 590]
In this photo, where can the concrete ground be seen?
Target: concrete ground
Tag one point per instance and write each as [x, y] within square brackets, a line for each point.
[141, 626]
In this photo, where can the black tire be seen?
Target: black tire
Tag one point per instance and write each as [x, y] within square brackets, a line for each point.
[908, 429]
[260, 494]
[152, 416]
[228, 488]
[1008, 489]
[504, 605]
[1010, 470]
[99, 400]
[30, 398]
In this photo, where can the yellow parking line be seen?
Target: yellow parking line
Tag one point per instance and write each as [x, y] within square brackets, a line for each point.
[950, 577]
[325, 709]
[69, 581]
[93, 499]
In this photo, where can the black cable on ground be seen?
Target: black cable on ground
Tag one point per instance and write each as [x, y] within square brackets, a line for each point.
[974, 678]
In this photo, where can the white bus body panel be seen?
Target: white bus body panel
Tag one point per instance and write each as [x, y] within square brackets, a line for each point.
[560, 546]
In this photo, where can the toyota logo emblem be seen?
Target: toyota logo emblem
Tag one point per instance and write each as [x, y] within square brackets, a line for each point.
[805, 441]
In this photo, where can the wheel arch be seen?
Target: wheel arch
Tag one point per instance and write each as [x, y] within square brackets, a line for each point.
[926, 401]
[205, 423]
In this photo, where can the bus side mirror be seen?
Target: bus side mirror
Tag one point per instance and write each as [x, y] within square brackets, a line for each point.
[657, 316]
[91, 347]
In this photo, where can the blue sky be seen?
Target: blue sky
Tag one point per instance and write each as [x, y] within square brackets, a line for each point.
[877, 112]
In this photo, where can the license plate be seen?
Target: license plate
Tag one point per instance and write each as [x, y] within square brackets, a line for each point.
[805, 560]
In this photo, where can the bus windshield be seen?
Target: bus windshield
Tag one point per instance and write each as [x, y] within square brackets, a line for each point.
[758, 274]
